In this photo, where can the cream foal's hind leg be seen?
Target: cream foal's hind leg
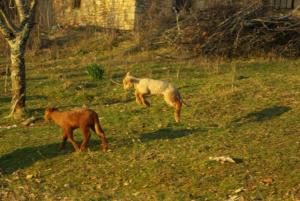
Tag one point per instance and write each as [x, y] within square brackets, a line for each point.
[173, 100]
[178, 106]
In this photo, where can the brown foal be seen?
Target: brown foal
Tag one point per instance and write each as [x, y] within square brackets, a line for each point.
[82, 118]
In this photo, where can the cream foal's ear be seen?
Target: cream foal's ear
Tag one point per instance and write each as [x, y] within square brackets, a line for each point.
[128, 74]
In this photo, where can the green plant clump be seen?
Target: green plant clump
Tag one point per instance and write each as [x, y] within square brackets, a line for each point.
[95, 71]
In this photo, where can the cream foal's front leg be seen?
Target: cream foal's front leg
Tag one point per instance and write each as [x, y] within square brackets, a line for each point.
[140, 99]
[145, 102]
[137, 98]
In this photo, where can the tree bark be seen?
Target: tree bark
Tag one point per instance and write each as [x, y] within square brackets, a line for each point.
[17, 37]
[18, 80]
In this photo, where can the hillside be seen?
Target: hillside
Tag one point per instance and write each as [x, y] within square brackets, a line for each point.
[248, 109]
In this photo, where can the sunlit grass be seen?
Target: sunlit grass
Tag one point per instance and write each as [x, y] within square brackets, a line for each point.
[254, 118]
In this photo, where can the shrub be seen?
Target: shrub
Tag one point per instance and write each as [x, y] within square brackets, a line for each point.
[95, 71]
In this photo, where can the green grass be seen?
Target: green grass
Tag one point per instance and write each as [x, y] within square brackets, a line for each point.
[254, 119]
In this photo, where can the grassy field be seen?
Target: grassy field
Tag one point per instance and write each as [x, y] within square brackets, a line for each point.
[249, 110]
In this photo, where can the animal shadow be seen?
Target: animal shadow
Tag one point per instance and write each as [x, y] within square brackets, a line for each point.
[27, 156]
[169, 133]
[242, 77]
[37, 78]
[263, 115]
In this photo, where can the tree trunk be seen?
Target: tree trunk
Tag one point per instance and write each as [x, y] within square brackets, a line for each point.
[17, 37]
[18, 79]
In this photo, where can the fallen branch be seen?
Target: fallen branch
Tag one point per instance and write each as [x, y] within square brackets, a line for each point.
[242, 32]
[115, 82]
[14, 106]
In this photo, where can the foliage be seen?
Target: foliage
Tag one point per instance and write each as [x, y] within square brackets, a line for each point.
[95, 71]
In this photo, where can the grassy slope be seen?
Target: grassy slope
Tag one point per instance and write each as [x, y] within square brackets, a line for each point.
[255, 120]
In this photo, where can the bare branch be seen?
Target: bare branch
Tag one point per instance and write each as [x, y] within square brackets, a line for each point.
[5, 30]
[32, 10]
[117, 83]
[29, 21]
[23, 10]
[14, 106]
[9, 24]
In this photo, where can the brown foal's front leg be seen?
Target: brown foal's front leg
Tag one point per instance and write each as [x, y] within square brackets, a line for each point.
[69, 133]
[86, 138]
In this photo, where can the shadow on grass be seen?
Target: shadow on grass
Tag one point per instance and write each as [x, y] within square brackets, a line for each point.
[113, 101]
[37, 97]
[238, 160]
[169, 133]
[262, 115]
[40, 111]
[4, 112]
[118, 76]
[35, 111]
[242, 77]
[75, 74]
[190, 86]
[88, 86]
[5, 99]
[37, 78]
[25, 157]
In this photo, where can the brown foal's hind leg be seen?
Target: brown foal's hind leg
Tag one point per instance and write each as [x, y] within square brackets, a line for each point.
[86, 138]
[69, 133]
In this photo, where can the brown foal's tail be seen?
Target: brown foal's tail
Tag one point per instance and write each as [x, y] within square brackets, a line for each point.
[99, 131]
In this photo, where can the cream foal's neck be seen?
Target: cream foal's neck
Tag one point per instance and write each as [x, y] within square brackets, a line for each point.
[135, 81]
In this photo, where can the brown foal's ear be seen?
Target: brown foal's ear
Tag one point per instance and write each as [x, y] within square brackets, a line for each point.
[50, 109]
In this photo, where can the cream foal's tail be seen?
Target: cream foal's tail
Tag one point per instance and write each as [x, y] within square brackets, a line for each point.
[181, 100]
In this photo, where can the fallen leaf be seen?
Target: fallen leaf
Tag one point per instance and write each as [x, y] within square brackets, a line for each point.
[136, 193]
[29, 121]
[67, 185]
[239, 190]
[267, 181]
[233, 198]
[222, 159]
[29, 176]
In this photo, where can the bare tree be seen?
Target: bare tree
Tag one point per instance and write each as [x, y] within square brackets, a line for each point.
[17, 34]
